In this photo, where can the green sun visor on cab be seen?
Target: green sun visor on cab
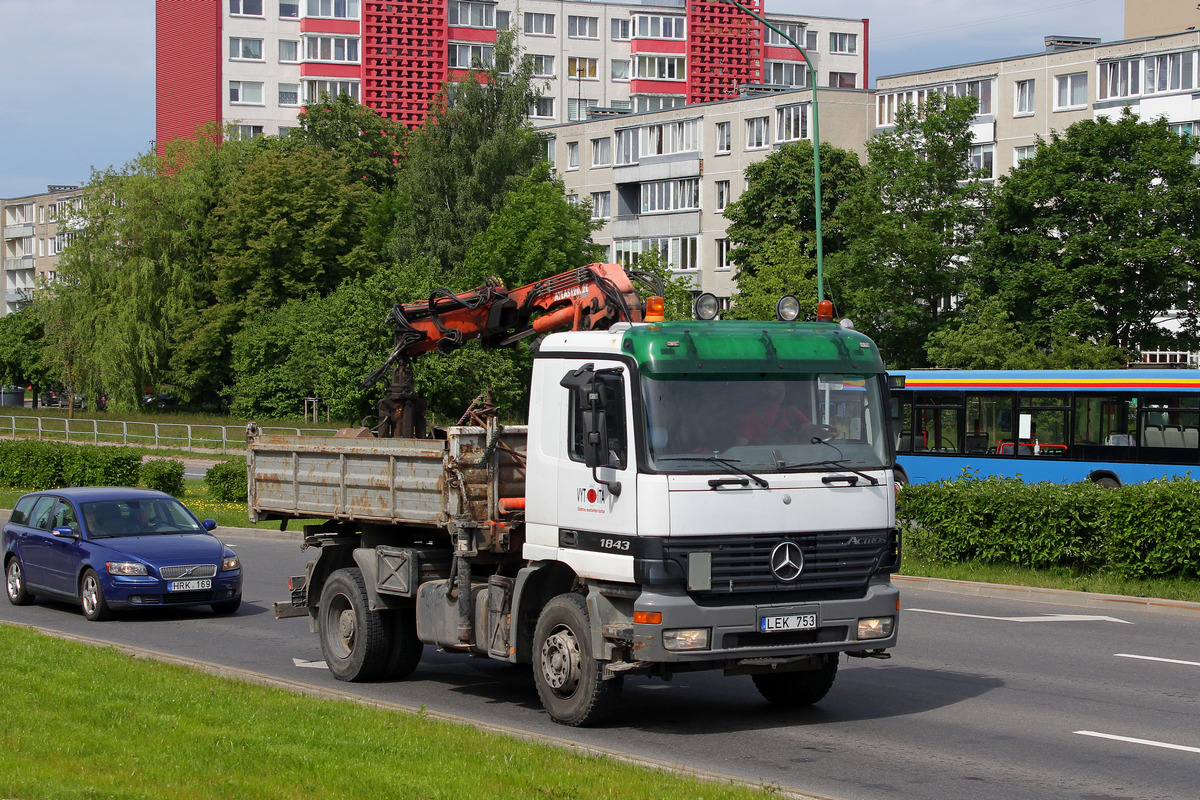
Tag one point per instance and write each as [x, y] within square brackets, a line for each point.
[672, 348]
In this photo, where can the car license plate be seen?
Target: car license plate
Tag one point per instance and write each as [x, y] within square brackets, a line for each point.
[189, 586]
[787, 622]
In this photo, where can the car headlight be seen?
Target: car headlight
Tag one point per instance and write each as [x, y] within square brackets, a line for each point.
[875, 627]
[127, 568]
[230, 563]
[686, 639]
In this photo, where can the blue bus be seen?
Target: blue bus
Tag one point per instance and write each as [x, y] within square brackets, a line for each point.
[1111, 427]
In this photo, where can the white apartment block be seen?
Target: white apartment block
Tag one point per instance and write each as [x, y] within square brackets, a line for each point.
[35, 231]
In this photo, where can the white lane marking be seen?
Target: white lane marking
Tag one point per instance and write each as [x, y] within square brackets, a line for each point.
[1163, 660]
[300, 662]
[1043, 618]
[1147, 742]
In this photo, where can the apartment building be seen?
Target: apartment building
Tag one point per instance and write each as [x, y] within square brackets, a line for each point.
[1022, 97]
[1154, 17]
[35, 231]
[255, 63]
[663, 179]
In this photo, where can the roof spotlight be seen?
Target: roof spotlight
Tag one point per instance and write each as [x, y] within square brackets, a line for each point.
[787, 309]
[706, 306]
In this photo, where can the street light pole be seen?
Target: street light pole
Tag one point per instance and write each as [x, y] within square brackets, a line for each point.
[812, 83]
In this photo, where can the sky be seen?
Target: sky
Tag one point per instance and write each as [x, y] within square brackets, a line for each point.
[77, 92]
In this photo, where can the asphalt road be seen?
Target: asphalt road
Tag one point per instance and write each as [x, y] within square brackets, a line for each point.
[984, 697]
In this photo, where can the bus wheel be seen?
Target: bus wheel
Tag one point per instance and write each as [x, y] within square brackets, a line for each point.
[1107, 482]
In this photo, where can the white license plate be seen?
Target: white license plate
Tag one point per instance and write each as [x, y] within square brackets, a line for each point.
[787, 622]
[189, 586]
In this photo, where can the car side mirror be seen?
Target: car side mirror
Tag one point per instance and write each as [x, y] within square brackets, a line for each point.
[64, 532]
[209, 524]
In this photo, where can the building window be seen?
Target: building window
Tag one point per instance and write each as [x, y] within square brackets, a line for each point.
[582, 68]
[983, 158]
[246, 93]
[620, 69]
[466, 14]
[247, 131]
[572, 155]
[601, 205]
[791, 123]
[757, 133]
[786, 73]
[679, 252]
[246, 8]
[543, 66]
[550, 152]
[601, 152]
[289, 51]
[810, 41]
[651, 26]
[470, 56]
[1023, 153]
[503, 18]
[1169, 73]
[539, 24]
[722, 195]
[980, 90]
[627, 146]
[316, 90]
[662, 68]
[337, 9]
[724, 142]
[843, 43]
[650, 102]
[289, 9]
[1024, 98]
[1072, 91]
[678, 194]
[245, 49]
[627, 252]
[289, 94]
[1120, 78]
[583, 27]
[723, 249]
[671, 137]
[794, 30]
[620, 30]
[577, 107]
[842, 80]
[542, 107]
[332, 49]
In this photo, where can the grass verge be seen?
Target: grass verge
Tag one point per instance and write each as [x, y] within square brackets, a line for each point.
[93, 722]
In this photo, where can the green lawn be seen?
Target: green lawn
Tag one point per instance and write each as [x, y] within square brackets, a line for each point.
[92, 722]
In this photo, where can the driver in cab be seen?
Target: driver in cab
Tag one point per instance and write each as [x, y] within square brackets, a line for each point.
[772, 420]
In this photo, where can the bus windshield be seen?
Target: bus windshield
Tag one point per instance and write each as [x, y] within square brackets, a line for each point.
[796, 423]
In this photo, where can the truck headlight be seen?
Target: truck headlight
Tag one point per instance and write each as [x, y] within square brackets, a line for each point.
[686, 639]
[875, 627]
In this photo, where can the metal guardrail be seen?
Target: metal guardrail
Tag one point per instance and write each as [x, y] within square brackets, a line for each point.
[218, 438]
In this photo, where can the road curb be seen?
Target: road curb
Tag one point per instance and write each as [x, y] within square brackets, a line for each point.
[1110, 602]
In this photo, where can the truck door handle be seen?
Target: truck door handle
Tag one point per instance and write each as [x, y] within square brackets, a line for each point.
[828, 480]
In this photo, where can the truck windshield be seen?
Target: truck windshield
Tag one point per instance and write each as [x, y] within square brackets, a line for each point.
[797, 423]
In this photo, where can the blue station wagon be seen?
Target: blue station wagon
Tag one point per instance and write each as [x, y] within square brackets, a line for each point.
[111, 548]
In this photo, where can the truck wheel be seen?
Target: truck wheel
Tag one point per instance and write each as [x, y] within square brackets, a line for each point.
[405, 651]
[567, 675]
[354, 640]
[797, 689]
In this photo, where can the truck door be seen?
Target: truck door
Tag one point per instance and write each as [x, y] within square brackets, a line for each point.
[597, 502]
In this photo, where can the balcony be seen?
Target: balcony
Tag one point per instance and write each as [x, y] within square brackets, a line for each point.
[18, 231]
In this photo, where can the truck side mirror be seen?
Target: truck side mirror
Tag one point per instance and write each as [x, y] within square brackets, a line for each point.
[595, 444]
[594, 400]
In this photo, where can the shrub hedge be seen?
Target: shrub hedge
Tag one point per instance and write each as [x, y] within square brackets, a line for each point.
[226, 480]
[1141, 530]
[33, 465]
[164, 474]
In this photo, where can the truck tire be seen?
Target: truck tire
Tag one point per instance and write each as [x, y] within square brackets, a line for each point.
[797, 689]
[405, 648]
[568, 677]
[354, 639]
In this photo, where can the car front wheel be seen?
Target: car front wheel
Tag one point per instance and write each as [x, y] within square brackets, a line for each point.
[91, 598]
[14, 582]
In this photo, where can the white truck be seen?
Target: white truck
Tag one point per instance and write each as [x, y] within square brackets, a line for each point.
[644, 521]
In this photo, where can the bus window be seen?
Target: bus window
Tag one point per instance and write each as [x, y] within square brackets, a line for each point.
[1171, 422]
[1106, 421]
[939, 430]
[989, 421]
[902, 420]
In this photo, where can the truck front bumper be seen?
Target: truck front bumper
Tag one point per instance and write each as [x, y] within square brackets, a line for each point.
[682, 631]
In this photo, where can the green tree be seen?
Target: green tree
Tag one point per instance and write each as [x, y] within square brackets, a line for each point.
[22, 348]
[1097, 236]
[370, 143]
[910, 225]
[783, 263]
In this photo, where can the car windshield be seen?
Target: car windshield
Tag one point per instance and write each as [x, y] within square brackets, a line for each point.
[793, 423]
[143, 516]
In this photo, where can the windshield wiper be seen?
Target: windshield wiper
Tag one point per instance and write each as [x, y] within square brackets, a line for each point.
[729, 464]
[834, 463]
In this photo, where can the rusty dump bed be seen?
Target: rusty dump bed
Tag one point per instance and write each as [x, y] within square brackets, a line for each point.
[463, 474]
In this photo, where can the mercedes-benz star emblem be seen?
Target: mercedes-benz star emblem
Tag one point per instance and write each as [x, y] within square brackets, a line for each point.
[787, 562]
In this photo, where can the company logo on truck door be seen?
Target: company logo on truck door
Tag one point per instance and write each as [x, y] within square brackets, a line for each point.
[592, 499]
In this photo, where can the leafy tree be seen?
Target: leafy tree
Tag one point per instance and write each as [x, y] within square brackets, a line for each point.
[783, 263]
[910, 225]
[22, 348]
[780, 196]
[476, 146]
[678, 291]
[1097, 236]
[370, 143]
